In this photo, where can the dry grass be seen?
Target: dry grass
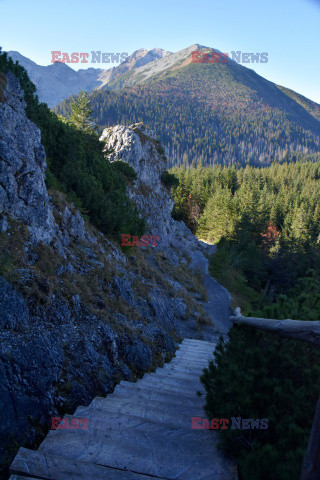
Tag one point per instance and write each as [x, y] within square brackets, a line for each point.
[144, 138]
[12, 254]
[3, 83]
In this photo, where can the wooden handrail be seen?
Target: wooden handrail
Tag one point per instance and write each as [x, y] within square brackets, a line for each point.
[305, 331]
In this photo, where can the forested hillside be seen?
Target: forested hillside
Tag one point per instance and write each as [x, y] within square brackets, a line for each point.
[215, 113]
[266, 223]
[287, 195]
[311, 107]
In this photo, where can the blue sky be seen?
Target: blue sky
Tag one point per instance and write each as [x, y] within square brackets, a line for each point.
[289, 30]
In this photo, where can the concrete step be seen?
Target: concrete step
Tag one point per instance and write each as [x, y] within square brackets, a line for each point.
[191, 366]
[195, 351]
[204, 358]
[20, 477]
[173, 387]
[53, 467]
[158, 402]
[142, 431]
[188, 348]
[146, 448]
[150, 396]
[198, 345]
[190, 343]
[157, 412]
[171, 382]
[183, 369]
[193, 341]
[161, 373]
[151, 392]
[186, 374]
[185, 392]
[193, 382]
[178, 375]
[105, 419]
[176, 367]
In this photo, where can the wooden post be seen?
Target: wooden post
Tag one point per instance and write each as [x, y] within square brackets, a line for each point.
[311, 463]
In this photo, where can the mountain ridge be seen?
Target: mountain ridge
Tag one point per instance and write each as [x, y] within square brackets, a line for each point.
[58, 81]
[215, 113]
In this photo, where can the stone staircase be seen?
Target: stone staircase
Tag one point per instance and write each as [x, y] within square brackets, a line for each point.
[142, 431]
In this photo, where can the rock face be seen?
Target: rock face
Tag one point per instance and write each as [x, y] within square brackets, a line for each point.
[13, 307]
[23, 194]
[138, 146]
[77, 315]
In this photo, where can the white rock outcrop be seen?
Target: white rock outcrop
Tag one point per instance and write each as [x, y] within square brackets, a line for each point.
[138, 146]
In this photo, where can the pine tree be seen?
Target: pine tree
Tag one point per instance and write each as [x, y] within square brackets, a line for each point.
[81, 112]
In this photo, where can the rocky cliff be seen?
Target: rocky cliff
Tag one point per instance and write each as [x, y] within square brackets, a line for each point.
[77, 314]
[139, 147]
[23, 194]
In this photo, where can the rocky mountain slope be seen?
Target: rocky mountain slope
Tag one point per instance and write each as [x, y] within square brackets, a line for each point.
[138, 59]
[221, 113]
[77, 314]
[58, 81]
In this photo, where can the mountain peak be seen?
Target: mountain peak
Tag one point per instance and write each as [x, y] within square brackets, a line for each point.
[138, 59]
[196, 46]
[143, 56]
[18, 57]
[60, 66]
